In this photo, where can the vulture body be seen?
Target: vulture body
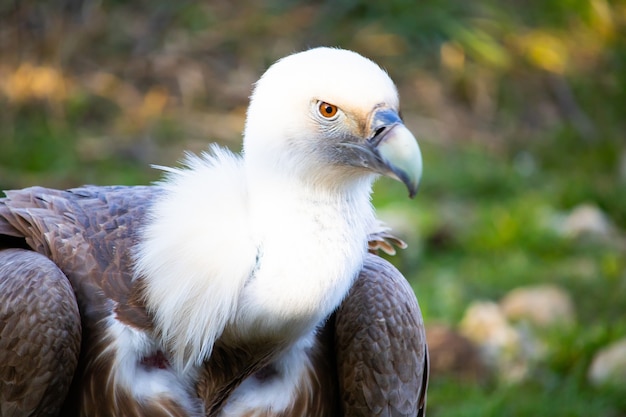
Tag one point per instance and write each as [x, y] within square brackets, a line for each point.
[238, 286]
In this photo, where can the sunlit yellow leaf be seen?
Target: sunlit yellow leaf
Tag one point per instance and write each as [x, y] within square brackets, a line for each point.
[29, 82]
[602, 18]
[545, 51]
[154, 102]
[452, 56]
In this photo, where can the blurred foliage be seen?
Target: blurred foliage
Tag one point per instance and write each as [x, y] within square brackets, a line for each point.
[520, 108]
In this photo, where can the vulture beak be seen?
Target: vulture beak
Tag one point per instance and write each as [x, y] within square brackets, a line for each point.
[390, 150]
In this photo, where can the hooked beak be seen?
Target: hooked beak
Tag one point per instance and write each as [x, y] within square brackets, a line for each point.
[391, 150]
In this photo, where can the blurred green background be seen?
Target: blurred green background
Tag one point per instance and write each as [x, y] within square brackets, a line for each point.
[520, 110]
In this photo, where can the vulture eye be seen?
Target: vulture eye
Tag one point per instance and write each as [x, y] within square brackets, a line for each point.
[327, 110]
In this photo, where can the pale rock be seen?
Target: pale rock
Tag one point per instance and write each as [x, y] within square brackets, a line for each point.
[609, 365]
[586, 219]
[541, 305]
[502, 345]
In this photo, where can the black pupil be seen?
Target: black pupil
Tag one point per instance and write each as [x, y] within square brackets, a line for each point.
[328, 109]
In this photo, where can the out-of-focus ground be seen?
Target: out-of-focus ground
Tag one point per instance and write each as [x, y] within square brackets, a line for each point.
[518, 236]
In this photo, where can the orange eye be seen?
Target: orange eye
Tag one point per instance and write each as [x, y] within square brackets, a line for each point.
[327, 110]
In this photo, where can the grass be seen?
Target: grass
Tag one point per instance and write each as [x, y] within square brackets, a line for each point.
[559, 397]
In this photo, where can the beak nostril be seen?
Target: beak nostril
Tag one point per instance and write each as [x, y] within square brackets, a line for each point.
[380, 130]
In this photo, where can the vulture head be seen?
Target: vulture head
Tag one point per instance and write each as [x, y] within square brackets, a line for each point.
[329, 117]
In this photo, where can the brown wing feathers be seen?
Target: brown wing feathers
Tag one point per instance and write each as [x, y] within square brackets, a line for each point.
[87, 232]
[381, 345]
[40, 334]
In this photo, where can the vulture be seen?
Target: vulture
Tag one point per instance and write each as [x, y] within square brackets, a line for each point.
[240, 284]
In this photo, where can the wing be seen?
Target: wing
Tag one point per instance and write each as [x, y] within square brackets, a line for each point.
[88, 233]
[40, 334]
[380, 342]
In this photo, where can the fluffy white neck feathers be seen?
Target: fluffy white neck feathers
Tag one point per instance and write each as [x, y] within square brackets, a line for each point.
[266, 245]
[222, 259]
